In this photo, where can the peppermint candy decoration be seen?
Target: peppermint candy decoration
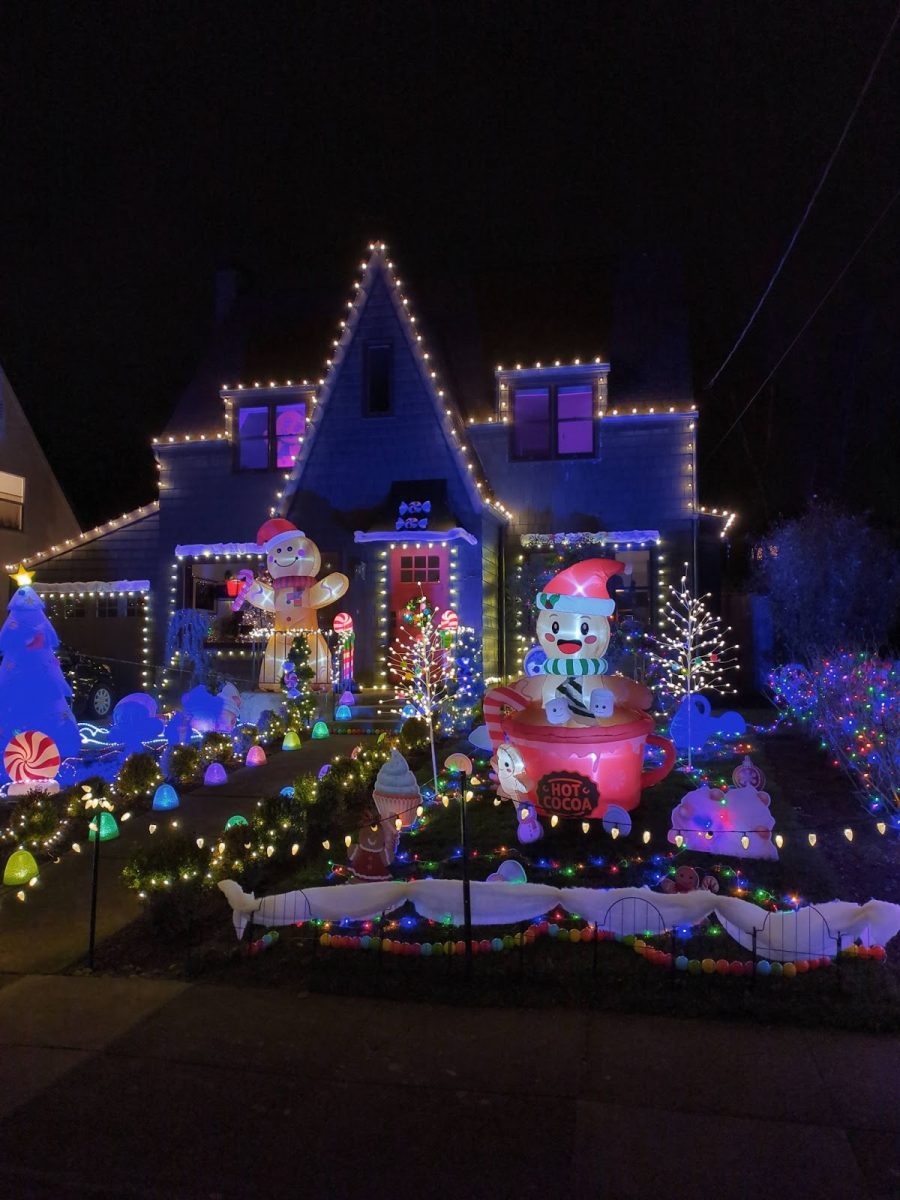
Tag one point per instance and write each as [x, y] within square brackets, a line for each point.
[343, 623]
[449, 620]
[31, 756]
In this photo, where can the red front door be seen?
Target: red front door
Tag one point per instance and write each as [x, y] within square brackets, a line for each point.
[419, 572]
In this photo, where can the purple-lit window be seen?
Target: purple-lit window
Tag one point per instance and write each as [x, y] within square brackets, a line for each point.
[553, 422]
[531, 423]
[574, 421]
[290, 420]
[253, 436]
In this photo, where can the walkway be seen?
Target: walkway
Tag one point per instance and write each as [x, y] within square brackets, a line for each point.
[134, 1088]
[49, 931]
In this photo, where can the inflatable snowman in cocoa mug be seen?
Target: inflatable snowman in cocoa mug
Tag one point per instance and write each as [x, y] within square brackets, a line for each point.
[573, 632]
[294, 598]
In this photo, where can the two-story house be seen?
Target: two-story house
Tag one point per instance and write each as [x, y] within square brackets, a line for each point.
[373, 459]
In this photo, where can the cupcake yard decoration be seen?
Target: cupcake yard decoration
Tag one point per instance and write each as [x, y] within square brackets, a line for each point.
[396, 793]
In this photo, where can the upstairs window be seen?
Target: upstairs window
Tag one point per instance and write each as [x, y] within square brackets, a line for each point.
[270, 435]
[553, 422]
[107, 606]
[12, 500]
[574, 421]
[531, 423]
[377, 380]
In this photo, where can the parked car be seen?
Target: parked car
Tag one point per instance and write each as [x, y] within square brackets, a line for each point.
[93, 692]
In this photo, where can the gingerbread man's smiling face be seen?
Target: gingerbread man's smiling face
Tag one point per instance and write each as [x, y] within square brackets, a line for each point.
[572, 635]
[293, 554]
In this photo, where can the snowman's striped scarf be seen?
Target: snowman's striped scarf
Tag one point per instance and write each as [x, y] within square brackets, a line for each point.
[574, 666]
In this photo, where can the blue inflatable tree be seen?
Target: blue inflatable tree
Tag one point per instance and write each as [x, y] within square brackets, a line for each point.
[34, 693]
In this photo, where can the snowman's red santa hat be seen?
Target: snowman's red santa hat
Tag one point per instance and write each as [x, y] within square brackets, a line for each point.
[277, 531]
[582, 588]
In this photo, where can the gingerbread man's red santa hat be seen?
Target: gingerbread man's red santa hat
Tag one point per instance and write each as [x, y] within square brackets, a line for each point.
[582, 588]
[277, 531]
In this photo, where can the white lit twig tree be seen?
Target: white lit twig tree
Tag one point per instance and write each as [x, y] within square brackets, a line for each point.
[417, 663]
[692, 651]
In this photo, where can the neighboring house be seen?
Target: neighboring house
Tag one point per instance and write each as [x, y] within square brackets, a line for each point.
[34, 513]
[375, 462]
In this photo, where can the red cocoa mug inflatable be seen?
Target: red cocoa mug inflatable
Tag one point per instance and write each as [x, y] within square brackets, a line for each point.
[577, 771]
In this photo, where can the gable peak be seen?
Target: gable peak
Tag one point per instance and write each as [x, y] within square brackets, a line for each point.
[380, 264]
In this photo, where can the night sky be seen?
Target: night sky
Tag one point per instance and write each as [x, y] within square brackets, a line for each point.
[144, 145]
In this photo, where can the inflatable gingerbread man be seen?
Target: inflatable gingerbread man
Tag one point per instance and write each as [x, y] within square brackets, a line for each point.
[294, 598]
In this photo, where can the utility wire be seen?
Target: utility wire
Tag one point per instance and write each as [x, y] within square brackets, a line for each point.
[812, 199]
[806, 324]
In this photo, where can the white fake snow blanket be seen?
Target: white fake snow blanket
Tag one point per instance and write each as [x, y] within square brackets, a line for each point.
[785, 936]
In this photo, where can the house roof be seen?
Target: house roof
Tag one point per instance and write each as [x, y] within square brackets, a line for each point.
[629, 311]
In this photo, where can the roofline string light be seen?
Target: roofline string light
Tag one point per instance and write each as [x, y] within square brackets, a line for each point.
[452, 423]
[88, 535]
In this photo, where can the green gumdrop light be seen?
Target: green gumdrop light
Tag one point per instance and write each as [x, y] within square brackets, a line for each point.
[109, 827]
[21, 868]
[320, 730]
[237, 819]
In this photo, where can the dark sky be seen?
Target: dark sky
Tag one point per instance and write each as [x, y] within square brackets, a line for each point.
[143, 145]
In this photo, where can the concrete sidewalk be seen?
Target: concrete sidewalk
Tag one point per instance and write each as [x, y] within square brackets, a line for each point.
[120, 1087]
[49, 931]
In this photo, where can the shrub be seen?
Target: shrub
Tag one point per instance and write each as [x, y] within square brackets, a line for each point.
[181, 764]
[851, 702]
[413, 735]
[271, 727]
[35, 820]
[243, 738]
[74, 796]
[833, 582]
[138, 778]
[216, 747]
[168, 873]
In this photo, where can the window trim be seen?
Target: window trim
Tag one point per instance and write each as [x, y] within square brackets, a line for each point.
[17, 503]
[553, 404]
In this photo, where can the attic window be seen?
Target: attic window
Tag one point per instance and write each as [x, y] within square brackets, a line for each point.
[377, 380]
[12, 500]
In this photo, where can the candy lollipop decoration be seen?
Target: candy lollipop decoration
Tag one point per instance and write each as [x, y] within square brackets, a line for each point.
[32, 761]
[343, 623]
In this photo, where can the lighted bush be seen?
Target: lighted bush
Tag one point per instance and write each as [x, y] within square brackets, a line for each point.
[243, 738]
[413, 735]
[74, 796]
[271, 727]
[216, 747]
[852, 703]
[137, 780]
[36, 822]
[181, 764]
[168, 872]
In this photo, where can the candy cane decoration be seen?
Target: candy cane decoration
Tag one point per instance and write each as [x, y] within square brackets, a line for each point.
[494, 702]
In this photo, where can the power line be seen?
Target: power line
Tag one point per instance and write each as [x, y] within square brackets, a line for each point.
[806, 324]
[812, 199]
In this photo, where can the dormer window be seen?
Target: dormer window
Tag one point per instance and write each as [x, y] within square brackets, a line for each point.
[553, 421]
[270, 435]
